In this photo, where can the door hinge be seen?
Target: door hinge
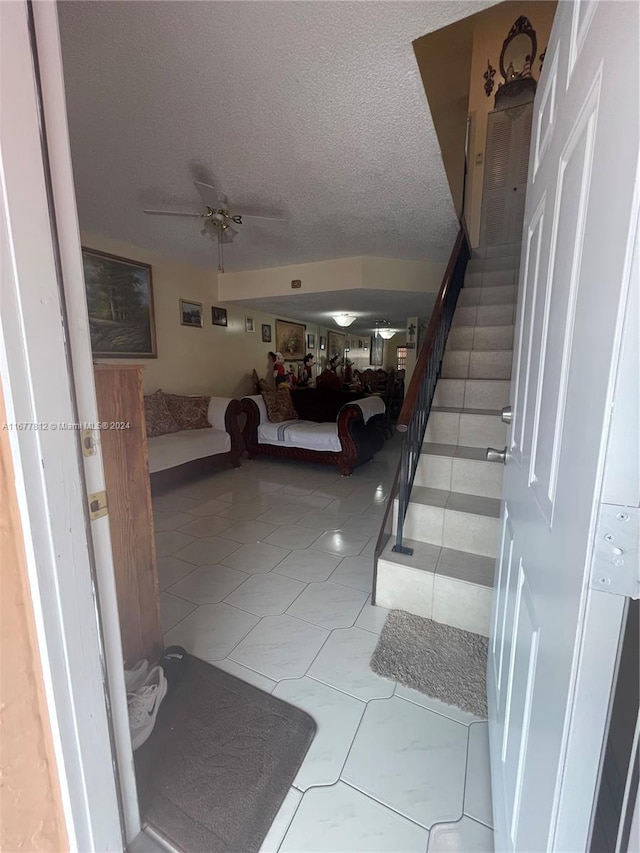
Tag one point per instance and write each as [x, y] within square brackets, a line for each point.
[615, 566]
[98, 505]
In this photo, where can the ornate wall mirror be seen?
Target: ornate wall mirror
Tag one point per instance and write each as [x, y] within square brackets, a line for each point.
[516, 60]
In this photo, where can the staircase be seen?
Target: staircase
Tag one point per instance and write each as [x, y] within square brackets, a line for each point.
[453, 515]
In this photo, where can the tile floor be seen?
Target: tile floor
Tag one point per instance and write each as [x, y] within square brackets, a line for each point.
[266, 571]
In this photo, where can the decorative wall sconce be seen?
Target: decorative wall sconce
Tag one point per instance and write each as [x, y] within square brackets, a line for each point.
[488, 75]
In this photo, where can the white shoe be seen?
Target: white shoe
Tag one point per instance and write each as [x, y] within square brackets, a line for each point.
[144, 705]
[134, 678]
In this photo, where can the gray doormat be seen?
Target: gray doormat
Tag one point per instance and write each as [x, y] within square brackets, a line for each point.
[220, 762]
[444, 662]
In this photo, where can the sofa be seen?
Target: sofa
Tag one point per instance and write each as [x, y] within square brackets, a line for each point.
[189, 434]
[349, 439]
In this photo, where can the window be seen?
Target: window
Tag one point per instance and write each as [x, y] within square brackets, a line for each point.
[401, 358]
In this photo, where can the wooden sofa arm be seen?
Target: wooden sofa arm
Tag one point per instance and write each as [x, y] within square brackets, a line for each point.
[359, 440]
[232, 426]
[250, 431]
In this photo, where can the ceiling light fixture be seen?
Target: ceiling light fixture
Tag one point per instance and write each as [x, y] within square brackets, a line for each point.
[386, 333]
[344, 320]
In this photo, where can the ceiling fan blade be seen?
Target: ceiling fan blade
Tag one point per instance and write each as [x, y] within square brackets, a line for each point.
[173, 213]
[269, 218]
[208, 194]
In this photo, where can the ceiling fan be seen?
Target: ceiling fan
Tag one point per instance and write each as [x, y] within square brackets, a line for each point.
[215, 216]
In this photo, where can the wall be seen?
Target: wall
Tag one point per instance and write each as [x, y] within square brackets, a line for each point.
[209, 360]
[30, 804]
[490, 30]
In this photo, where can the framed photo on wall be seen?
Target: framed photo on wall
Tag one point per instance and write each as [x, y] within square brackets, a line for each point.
[311, 341]
[266, 333]
[120, 306]
[290, 339]
[335, 345]
[376, 353]
[219, 316]
[248, 324]
[322, 342]
[190, 313]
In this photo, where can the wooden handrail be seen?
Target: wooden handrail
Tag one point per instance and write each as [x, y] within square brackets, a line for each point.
[413, 391]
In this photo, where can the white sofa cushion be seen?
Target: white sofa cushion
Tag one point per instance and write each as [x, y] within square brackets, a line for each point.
[176, 448]
[369, 406]
[308, 435]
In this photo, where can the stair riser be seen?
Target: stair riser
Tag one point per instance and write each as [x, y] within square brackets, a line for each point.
[490, 278]
[480, 338]
[443, 599]
[472, 296]
[474, 364]
[484, 315]
[466, 430]
[455, 474]
[472, 393]
[486, 265]
[464, 531]
[506, 250]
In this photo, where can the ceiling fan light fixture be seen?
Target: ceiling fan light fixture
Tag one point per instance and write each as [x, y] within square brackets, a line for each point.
[386, 333]
[344, 320]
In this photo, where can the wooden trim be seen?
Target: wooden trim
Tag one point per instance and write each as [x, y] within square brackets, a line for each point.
[413, 391]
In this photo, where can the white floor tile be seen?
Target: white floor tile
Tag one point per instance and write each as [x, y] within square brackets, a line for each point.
[432, 704]
[170, 541]
[171, 570]
[337, 717]
[210, 507]
[372, 617]
[292, 537]
[287, 514]
[266, 594]
[308, 566]
[344, 663]
[205, 525]
[174, 503]
[249, 531]
[340, 820]
[211, 631]
[173, 610]
[208, 584]
[356, 572]
[410, 759]
[170, 520]
[329, 605]
[465, 836]
[341, 543]
[280, 825]
[477, 795]
[205, 551]
[280, 647]
[246, 674]
[243, 510]
[256, 558]
[321, 521]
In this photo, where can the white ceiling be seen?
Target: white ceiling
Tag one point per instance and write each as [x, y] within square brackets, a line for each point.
[313, 110]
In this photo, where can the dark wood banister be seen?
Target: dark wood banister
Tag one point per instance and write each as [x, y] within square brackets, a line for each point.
[413, 391]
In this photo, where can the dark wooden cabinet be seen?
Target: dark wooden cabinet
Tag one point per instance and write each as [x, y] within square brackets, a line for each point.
[126, 471]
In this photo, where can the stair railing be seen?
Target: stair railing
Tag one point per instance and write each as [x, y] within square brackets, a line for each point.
[412, 421]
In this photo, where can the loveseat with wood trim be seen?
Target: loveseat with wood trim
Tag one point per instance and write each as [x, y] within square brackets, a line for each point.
[350, 439]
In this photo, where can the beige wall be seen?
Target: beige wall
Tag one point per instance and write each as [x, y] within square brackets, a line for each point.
[30, 807]
[490, 30]
[209, 360]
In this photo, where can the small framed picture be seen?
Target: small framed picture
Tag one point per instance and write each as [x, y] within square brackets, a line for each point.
[248, 324]
[359, 344]
[311, 341]
[219, 316]
[190, 313]
[323, 342]
[266, 333]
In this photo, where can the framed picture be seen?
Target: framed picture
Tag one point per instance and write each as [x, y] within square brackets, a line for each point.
[322, 342]
[376, 352]
[219, 316]
[335, 345]
[120, 306]
[190, 313]
[359, 344]
[290, 339]
[266, 333]
[248, 324]
[311, 341]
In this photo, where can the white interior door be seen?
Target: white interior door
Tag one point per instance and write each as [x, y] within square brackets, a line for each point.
[578, 235]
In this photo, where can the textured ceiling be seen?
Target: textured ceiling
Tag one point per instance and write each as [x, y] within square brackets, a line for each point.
[312, 110]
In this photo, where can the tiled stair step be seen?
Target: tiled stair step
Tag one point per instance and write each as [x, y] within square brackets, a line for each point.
[472, 393]
[489, 265]
[484, 315]
[506, 250]
[477, 364]
[453, 520]
[466, 427]
[500, 295]
[449, 586]
[459, 469]
[480, 337]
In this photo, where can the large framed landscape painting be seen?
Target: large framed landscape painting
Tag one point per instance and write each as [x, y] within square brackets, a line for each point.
[290, 339]
[120, 304]
[335, 345]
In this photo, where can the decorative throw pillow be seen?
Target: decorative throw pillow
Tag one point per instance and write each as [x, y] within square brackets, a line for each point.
[158, 418]
[189, 412]
[279, 403]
